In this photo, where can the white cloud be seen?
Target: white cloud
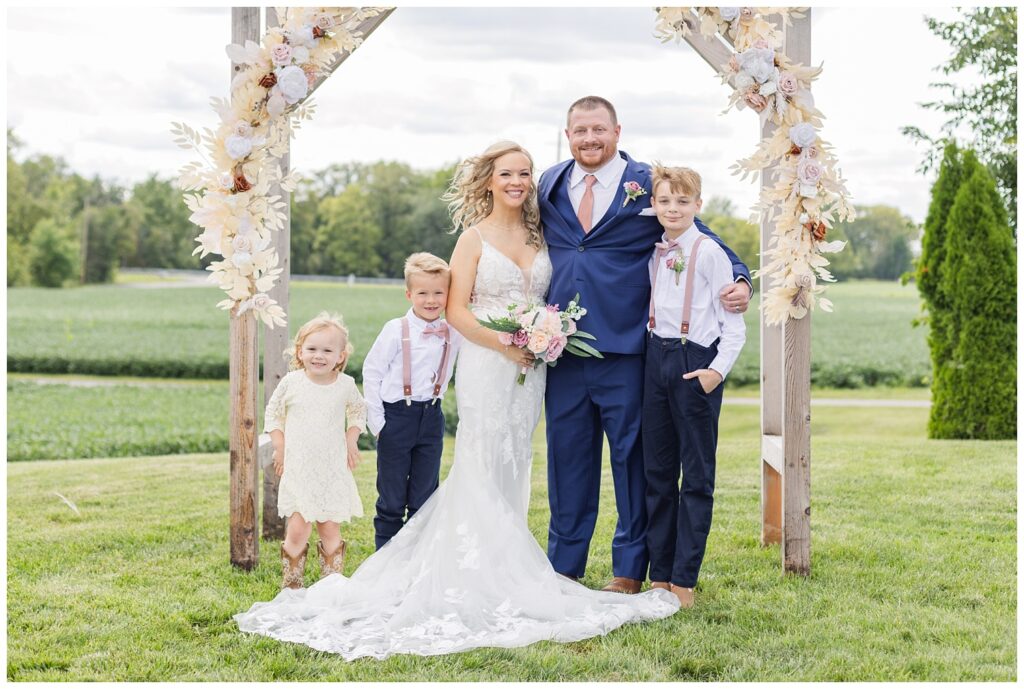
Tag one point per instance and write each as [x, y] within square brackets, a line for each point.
[100, 88]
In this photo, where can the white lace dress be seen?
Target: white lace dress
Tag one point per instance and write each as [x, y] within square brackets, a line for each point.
[317, 482]
[465, 571]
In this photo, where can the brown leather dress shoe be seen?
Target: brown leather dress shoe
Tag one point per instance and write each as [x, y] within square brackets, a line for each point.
[623, 585]
[684, 595]
[660, 585]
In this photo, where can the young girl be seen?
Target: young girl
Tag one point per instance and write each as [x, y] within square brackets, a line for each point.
[313, 452]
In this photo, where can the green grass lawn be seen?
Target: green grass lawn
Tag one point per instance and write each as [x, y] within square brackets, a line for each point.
[913, 573]
[177, 332]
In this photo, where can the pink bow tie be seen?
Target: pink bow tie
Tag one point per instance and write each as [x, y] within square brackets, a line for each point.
[665, 247]
[440, 330]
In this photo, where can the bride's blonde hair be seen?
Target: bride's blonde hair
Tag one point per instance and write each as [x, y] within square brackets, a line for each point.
[469, 200]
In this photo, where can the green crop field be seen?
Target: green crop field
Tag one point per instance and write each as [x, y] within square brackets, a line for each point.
[177, 332]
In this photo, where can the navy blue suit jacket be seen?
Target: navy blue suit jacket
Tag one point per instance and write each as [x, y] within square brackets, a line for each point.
[608, 266]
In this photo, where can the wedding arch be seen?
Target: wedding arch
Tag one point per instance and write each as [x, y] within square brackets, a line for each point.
[241, 200]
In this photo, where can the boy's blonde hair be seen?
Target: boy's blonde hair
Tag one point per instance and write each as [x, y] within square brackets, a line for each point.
[423, 263]
[681, 180]
[322, 321]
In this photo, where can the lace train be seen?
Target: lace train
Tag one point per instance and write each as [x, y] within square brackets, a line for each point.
[465, 572]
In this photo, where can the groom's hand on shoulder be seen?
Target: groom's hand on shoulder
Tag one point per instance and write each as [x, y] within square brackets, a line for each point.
[736, 297]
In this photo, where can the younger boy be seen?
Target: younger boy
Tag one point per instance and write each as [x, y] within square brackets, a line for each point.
[692, 344]
[405, 375]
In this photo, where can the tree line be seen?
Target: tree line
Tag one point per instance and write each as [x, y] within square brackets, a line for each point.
[351, 218]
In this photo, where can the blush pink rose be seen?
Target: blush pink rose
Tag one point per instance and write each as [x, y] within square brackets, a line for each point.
[538, 342]
[555, 348]
[281, 54]
[570, 327]
[755, 101]
[520, 338]
[505, 338]
[788, 84]
[808, 171]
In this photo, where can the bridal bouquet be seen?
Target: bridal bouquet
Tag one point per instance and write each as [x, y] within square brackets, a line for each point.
[545, 331]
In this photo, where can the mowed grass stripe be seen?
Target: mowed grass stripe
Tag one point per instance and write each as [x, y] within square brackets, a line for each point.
[913, 573]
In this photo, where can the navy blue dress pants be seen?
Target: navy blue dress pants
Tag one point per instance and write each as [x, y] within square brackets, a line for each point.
[680, 432]
[408, 463]
[585, 400]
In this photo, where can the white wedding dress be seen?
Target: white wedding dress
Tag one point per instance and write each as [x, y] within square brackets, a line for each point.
[465, 571]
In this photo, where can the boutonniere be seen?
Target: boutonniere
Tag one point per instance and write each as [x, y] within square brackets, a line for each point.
[633, 192]
[676, 263]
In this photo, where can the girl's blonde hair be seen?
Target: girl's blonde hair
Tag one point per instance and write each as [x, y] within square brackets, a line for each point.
[322, 321]
[470, 201]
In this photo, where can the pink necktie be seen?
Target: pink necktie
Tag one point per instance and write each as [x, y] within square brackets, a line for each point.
[586, 210]
[439, 330]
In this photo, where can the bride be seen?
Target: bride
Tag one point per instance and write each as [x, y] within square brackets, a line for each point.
[465, 571]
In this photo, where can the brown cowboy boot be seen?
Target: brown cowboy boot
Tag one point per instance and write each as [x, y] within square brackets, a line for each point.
[331, 563]
[292, 568]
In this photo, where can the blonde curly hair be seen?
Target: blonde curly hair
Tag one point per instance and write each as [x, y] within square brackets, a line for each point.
[322, 321]
[470, 201]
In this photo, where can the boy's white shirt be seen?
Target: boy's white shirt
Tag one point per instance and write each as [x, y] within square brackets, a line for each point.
[708, 318]
[382, 368]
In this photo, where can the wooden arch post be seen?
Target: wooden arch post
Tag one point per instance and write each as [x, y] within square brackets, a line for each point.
[785, 367]
[247, 454]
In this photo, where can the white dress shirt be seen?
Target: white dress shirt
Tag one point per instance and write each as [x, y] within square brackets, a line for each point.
[708, 318]
[382, 368]
[607, 185]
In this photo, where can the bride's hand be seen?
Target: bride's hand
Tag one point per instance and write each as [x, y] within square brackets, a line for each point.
[519, 356]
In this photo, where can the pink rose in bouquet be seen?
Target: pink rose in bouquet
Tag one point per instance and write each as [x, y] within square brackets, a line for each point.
[544, 331]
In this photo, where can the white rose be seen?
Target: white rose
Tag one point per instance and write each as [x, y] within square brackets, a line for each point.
[238, 147]
[276, 104]
[803, 134]
[242, 128]
[300, 55]
[303, 36]
[226, 180]
[242, 243]
[293, 83]
[729, 13]
[758, 63]
[243, 261]
[743, 82]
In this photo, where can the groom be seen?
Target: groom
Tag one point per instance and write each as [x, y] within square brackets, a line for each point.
[599, 246]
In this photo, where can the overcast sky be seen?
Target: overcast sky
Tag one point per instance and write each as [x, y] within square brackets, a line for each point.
[432, 85]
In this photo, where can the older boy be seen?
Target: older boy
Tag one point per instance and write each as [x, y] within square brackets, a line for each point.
[693, 342]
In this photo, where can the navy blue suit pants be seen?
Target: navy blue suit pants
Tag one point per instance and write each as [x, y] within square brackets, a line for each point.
[408, 463]
[680, 433]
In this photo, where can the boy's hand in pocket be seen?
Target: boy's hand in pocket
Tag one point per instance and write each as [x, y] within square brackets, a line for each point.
[708, 377]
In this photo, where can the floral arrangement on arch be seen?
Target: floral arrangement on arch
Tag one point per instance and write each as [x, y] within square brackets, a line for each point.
[230, 191]
[808, 194]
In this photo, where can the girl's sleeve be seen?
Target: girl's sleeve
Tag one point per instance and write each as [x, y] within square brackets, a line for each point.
[355, 408]
[273, 418]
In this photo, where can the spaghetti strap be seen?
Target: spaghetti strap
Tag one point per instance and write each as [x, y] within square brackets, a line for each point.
[479, 236]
